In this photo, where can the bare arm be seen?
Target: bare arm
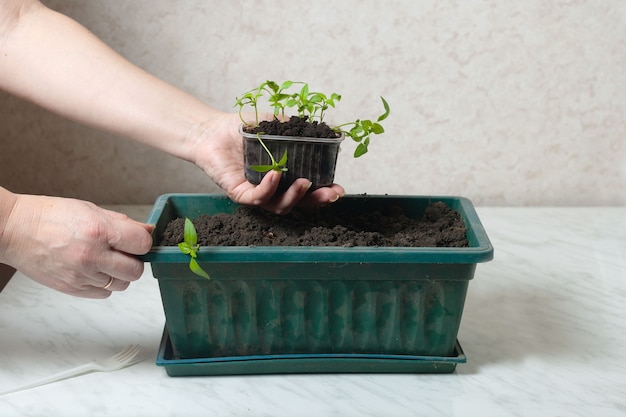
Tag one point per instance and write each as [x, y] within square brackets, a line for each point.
[51, 60]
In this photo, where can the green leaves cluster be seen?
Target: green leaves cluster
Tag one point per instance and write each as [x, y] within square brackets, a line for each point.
[360, 131]
[313, 106]
[189, 246]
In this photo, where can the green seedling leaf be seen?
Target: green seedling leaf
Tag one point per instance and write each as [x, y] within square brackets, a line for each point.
[196, 269]
[190, 247]
[190, 235]
[355, 131]
[285, 85]
[262, 168]
[316, 98]
[360, 150]
[377, 129]
[304, 92]
[387, 110]
[272, 85]
[186, 248]
[283, 162]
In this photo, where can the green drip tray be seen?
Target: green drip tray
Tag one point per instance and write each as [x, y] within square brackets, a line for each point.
[305, 363]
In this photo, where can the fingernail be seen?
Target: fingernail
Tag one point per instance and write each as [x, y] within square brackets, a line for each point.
[337, 197]
[307, 185]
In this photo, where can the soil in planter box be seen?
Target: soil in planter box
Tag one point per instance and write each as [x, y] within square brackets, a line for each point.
[295, 126]
[439, 227]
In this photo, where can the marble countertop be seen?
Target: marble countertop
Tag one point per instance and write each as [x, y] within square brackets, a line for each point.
[544, 331]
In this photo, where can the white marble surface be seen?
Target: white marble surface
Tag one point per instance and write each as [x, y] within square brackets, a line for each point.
[544, 330]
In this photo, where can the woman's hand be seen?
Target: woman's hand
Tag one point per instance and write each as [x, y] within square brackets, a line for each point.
[73, 246]
[218, 150]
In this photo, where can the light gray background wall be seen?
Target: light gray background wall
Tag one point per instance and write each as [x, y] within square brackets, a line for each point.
[504, 102]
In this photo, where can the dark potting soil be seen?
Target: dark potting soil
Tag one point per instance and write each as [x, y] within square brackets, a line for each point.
[295, 126]
[439, 227]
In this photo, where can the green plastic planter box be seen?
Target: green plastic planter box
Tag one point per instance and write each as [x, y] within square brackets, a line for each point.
[339, 307]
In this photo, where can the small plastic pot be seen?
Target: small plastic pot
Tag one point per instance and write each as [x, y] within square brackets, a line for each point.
[312, 158]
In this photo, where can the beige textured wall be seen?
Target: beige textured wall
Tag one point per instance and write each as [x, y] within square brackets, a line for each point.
[507, 103]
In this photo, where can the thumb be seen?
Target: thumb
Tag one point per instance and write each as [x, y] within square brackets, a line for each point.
[129, 236]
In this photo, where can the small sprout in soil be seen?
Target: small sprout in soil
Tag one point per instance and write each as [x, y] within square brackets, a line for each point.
[190, 247]
[311, 106]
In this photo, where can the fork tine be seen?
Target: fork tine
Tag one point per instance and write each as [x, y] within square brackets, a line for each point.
[134, 350]
[133, 353]
[127, 354]
[120, 355]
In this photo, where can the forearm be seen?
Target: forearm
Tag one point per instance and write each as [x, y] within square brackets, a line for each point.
[51, 60]
[7, 203]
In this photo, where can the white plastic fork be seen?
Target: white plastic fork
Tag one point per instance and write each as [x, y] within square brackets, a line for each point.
[123, 359]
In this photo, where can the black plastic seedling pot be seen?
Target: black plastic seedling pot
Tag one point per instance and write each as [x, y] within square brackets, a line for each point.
[311, 158]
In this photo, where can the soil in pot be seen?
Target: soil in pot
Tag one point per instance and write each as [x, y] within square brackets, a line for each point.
[440, 226]
[295, 126]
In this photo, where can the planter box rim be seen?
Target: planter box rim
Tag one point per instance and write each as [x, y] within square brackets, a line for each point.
[480, 251]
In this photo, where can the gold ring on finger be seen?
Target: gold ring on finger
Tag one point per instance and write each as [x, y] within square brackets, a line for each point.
[106, 287]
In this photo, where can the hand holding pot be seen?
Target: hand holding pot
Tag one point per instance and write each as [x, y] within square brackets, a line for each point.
[71, 246]
[218, 151]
